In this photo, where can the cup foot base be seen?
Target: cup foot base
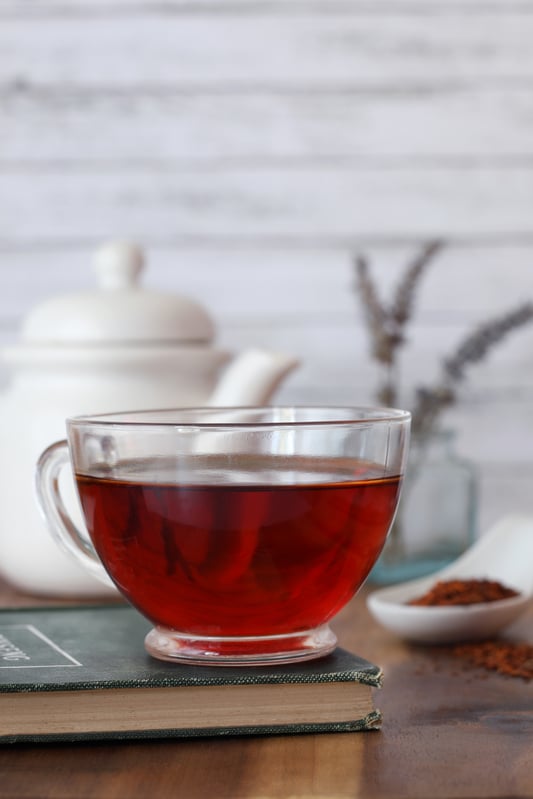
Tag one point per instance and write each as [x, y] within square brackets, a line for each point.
[269, 650]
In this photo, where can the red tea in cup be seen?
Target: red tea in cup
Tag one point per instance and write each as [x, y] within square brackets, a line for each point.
[230, 559]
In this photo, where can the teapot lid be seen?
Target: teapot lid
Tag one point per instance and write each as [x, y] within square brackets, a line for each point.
[119, 310]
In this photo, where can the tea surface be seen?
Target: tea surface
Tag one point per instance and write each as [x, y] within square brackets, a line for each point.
[274, 551]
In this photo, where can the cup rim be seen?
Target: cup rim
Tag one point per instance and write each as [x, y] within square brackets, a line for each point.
[205, 417]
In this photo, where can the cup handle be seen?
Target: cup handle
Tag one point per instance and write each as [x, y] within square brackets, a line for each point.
[74, 541]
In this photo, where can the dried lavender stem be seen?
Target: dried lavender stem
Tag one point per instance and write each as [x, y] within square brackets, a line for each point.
[386, 327]
[473, 348]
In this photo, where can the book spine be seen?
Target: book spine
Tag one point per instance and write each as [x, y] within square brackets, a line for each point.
[370, 722]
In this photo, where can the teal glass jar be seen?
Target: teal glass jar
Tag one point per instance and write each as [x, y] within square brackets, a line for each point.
[437, 515]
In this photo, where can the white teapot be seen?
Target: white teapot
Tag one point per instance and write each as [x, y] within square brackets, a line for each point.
[117, 347]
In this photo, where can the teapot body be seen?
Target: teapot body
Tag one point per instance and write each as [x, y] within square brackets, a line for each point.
[45, 390]
[118, 347]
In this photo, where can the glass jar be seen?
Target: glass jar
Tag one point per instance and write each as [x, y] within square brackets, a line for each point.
[437, 515]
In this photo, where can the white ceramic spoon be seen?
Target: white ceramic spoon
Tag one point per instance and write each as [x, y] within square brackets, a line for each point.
[505, 554]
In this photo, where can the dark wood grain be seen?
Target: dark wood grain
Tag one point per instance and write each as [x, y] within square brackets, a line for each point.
[449, 731]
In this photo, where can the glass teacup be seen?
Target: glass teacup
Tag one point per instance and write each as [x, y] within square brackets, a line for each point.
[238, 532]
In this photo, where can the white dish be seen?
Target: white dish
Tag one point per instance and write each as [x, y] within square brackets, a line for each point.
[505, 554]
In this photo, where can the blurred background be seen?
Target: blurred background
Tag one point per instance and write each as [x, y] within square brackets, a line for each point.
[254, 147]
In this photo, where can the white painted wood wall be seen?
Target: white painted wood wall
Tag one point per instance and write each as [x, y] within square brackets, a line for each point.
[254, 146]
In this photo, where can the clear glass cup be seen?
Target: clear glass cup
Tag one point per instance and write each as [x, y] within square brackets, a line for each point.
[238, 532]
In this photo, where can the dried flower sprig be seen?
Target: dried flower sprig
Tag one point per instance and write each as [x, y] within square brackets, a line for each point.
[386, 325]
[472, 349]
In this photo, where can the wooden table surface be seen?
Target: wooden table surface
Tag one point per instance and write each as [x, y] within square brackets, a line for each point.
[447, 732]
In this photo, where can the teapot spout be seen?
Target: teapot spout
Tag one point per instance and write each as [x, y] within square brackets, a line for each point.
[252, 378]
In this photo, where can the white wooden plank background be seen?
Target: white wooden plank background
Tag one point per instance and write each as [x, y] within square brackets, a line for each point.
[254, 146]
[251, 50]
[105, 127]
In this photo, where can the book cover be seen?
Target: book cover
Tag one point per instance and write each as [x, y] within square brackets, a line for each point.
[82, 673]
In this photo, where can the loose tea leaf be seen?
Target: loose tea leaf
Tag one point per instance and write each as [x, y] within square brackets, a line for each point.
[463, 592]
[510, 658]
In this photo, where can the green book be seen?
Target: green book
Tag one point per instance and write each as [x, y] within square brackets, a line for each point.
[82, 673]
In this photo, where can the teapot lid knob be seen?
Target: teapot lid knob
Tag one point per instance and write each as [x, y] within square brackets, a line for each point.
[118, 265]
